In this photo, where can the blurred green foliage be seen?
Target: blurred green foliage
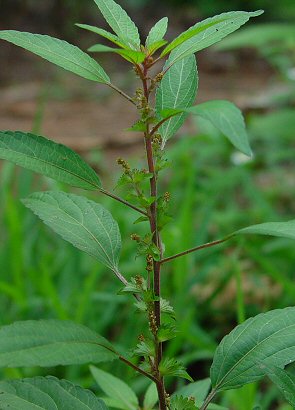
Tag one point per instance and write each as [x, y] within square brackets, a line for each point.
[213, 193]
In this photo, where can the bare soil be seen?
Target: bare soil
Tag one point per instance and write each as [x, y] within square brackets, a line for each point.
[84, 116]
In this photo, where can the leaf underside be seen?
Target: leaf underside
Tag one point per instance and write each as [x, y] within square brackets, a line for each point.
[157, 33]
[224, 116]
[85, 224]
[120, 22]
[58, 52]
[228, 119]
[177, 89]
[103, 33]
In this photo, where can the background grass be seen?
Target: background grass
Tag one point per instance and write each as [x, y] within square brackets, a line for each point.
[211, 290]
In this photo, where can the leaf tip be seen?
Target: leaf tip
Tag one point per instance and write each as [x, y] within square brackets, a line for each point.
[249, 153]
[257, 13]
[25, 201]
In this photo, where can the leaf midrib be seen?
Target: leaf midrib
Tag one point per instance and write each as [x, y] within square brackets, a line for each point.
[180, 116]
[52, 164]
[180, 38]
[250, 351]
[118, 26]
[176, 97]
[180, 56]
[41, 36]
[111, 265]
[67, 342]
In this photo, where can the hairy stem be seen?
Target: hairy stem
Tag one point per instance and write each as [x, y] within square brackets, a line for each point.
[156, 241]
[118, 90]
[138, 369]
[117, 198]
[197, 248]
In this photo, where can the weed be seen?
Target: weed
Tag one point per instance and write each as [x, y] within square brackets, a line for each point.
[260, 346]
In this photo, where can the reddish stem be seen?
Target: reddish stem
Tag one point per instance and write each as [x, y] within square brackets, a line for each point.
[197, 248]
[156, 241]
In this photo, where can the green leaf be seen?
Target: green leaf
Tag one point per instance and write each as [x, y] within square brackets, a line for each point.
[260, 36]
[157, 33]
[115, 388]
[155, 46]
[166, 332]
[50, 343]
[120, 22]
[133, 56]
[58, 52]
[145, 348]
[284, 381]
[84, 223]
[268, 338]
[141, 219]
[47, 393]
[177, 89]
[224, 115]
[281, 229]
[150, 397]
[182, 403]
[113, 403]
[141, 306]
[139, 126]
[228, 119]
[47, 158]
[171, 367]
[166, 307]
[103, 33]
[136, 285]
[206, 33]
[197, 390]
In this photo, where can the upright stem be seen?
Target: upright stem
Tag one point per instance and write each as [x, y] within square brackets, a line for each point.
[157, 242]
[153, 223]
